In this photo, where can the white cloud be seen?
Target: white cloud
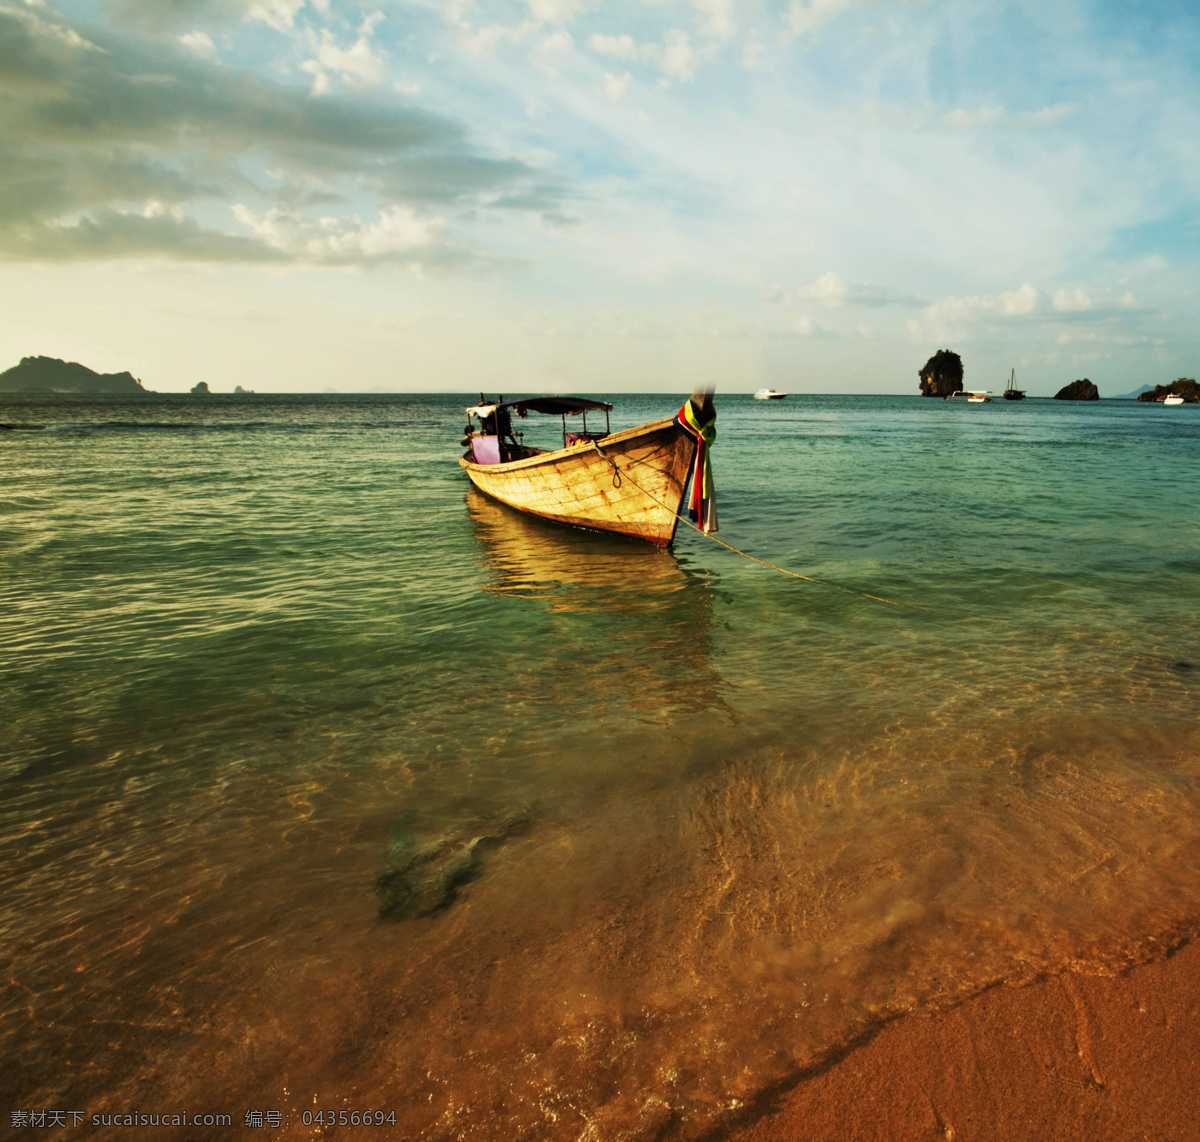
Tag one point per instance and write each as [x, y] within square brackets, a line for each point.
[280, 14]
[677, 59]
[623, 47]
[831, 290]
[981, 117]
[156, 209]
[717, 19]
[1047, 116]
[544, 56]
[202, 45]
[555, 11]
[615, 86]
[1025, 120]
[60, 32]
[945, 316]
[1020, 302]
[803, 16]
[357, 65]
[483, 41]
[1075, 301]
[753, 51]
[399, 232]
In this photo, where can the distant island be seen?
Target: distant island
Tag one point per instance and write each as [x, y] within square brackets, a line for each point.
[942, 375]
[50, 375]
[1184, 387]
[1078, 390]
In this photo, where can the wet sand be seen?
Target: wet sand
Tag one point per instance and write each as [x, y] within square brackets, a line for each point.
[1071, 1056]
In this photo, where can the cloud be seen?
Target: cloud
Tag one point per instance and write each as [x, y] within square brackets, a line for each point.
[1047, 116]
[1024, 120]
[165, 15]
[717, 18]
[981, 117]
[280, 14]
[833, 291]
[201, 44]
[1020, 302]
[676, 59]
[550, 50]
[615, 86]
[1074, 301]
[804, 16]
[623, 47]
[753, 53]
[944, 317]
[106, 234]
[357, 65]
[555, 11]
[830, 290]
[97, 128]
[399, 234]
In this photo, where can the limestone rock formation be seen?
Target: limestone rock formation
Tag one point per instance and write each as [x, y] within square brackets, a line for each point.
[942, 375]
[1078, 390]
[50, 375]
[1184, 387]
[201, 389]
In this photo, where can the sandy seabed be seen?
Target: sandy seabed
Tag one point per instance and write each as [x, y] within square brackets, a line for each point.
[1071, 1057]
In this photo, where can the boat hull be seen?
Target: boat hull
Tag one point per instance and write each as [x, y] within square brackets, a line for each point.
[576, 485]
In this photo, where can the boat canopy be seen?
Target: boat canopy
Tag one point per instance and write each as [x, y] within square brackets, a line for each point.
[552, 406]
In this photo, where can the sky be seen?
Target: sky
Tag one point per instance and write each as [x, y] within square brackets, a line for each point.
[589, 196]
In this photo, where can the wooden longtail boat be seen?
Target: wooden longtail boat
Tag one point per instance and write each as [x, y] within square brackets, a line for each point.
[631, 482]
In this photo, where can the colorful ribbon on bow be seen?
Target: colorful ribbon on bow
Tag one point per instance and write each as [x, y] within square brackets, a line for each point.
[702, 505]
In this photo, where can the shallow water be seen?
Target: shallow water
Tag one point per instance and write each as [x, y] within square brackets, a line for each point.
[655, 830]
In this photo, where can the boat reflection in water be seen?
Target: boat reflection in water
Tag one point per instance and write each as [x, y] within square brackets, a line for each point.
[568, 568]
[649, 618]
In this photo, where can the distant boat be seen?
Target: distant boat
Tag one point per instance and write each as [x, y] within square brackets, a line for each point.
[1012, 392]
[1172, 398]
[768, 394]
[581, 483]
[975, 396]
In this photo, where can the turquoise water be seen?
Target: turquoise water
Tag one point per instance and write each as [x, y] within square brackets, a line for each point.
[330, 784]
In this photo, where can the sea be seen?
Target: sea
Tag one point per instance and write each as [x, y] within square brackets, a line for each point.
[333, 792]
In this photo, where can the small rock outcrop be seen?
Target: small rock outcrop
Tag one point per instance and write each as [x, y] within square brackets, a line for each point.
[50, 375]
[201, 389]
[942, 375]
[1078, 390]
[1184, 387]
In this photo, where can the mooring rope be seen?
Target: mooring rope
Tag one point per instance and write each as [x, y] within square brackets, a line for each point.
[737, 550]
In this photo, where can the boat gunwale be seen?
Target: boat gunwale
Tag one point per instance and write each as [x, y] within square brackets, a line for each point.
[577, 450]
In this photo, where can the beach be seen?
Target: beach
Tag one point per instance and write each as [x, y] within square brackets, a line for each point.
[1072, 1056]
[332, 786]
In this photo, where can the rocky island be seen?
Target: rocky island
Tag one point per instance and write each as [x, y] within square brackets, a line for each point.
[942, 375]
[1184, 387]
[50, 375]
[1078, 390]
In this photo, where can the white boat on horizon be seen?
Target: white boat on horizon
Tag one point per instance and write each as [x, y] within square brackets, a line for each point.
[1172, 398]
[975, 396]
[768, 394]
